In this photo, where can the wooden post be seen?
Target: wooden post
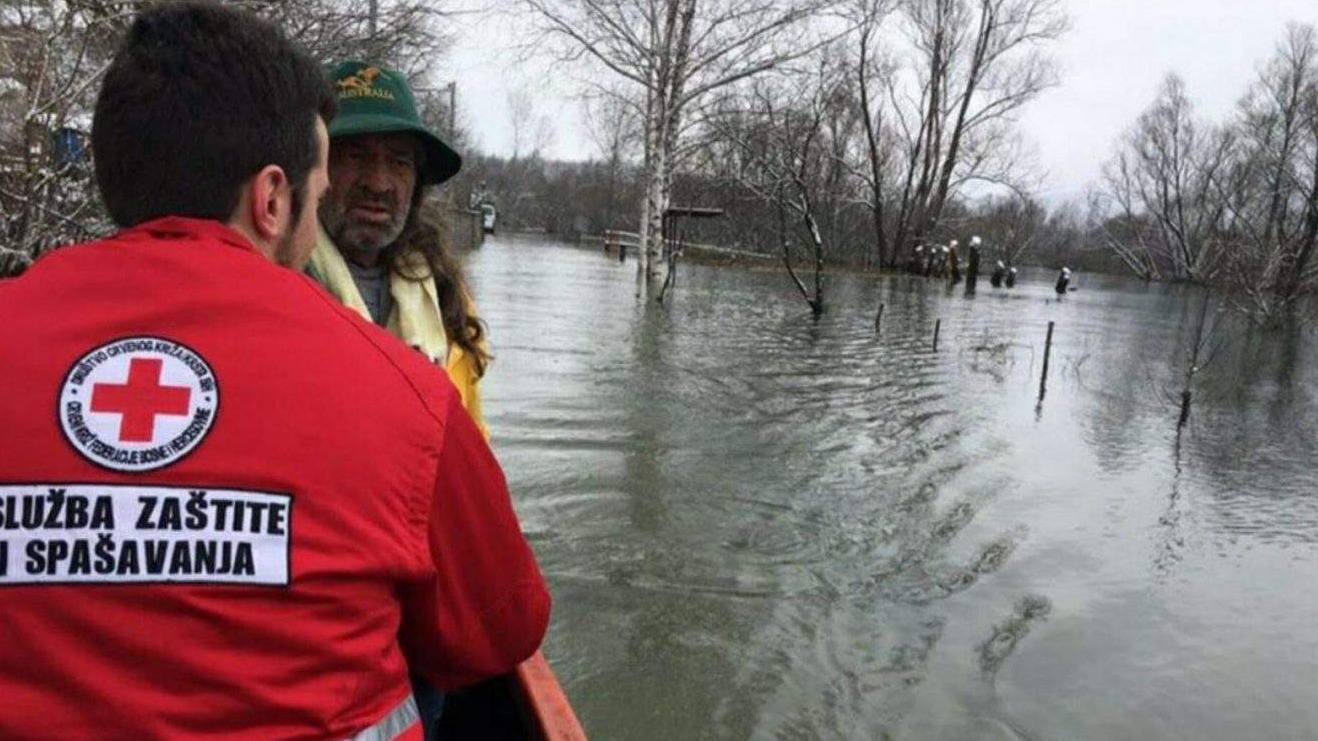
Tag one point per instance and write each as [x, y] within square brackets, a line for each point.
[938, 324]
[878, 318]
[1199, 345]
[1047, 350]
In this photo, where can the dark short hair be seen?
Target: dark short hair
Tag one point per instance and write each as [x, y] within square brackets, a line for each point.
[198, 99]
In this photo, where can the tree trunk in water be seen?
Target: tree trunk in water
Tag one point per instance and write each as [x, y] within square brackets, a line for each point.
[876, 169]
[934, 212]
[653, 203]
[670, 118]
[656, 202]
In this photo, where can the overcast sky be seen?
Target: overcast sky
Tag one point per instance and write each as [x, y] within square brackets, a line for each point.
[1111, 64]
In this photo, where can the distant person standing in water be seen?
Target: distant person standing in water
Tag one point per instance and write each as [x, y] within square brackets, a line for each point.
[1063, 281]
[972, 264]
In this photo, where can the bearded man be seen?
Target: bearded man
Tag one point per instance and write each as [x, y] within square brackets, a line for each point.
[377, 253]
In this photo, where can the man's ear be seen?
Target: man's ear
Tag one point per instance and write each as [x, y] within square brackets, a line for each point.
[271, 203]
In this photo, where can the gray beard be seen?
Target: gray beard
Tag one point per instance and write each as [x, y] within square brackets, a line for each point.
[359, 239]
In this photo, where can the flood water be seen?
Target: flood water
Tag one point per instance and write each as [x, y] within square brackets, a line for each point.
[756, 526]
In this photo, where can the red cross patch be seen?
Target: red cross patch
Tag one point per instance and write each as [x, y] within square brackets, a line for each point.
[139, 403]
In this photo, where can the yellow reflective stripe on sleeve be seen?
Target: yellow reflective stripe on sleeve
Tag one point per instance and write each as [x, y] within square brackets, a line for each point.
[402, 717]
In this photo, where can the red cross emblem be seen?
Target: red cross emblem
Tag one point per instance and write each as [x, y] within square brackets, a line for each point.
[140, 399]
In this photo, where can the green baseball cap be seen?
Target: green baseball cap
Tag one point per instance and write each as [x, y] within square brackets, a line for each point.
[377, 100]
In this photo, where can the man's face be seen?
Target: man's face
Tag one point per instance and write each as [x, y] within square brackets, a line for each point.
[295, 248]
[372, 177]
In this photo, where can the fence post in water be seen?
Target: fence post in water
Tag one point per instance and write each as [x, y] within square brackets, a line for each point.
[1047, 350]
[878, 318]
[938, 324]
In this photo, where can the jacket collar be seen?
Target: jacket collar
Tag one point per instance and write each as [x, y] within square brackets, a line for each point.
[174, 227]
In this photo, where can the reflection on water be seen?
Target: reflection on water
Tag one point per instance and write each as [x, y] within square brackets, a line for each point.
[757, 526]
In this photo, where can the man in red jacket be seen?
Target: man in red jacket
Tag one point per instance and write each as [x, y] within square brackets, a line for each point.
[229, 508]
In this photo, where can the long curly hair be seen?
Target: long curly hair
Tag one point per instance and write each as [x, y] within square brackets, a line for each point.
[426, 234]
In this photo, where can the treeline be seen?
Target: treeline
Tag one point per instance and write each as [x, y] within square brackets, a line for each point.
[568, 199]
[857, 130]
[1231, 203]
[564, 199]
[894, 106]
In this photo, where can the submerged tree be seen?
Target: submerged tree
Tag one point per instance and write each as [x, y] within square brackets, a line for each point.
[945, 118]
[1272, 192]
[1165, 182]
[671, 54]
[781, 138]
[1235, 204]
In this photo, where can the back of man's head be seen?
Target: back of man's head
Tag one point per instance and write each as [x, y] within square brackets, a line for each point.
[199, 98]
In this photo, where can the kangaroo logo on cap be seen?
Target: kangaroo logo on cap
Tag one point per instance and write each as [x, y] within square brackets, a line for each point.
[362, 85]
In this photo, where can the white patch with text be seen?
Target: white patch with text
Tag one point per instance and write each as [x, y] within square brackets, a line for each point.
[124, 534]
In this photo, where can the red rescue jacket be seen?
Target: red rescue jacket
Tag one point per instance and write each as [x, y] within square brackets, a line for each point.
[230, 508]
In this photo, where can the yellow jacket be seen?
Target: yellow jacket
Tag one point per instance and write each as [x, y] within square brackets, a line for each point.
[462, 370]
[415, 318]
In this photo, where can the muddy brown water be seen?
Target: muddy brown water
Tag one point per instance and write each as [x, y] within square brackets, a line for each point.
[757, 526]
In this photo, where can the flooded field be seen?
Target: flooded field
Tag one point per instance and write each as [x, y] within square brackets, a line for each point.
[761, 527]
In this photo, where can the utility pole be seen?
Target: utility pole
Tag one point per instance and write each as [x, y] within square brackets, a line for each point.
[372, 19]
[452, 108]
